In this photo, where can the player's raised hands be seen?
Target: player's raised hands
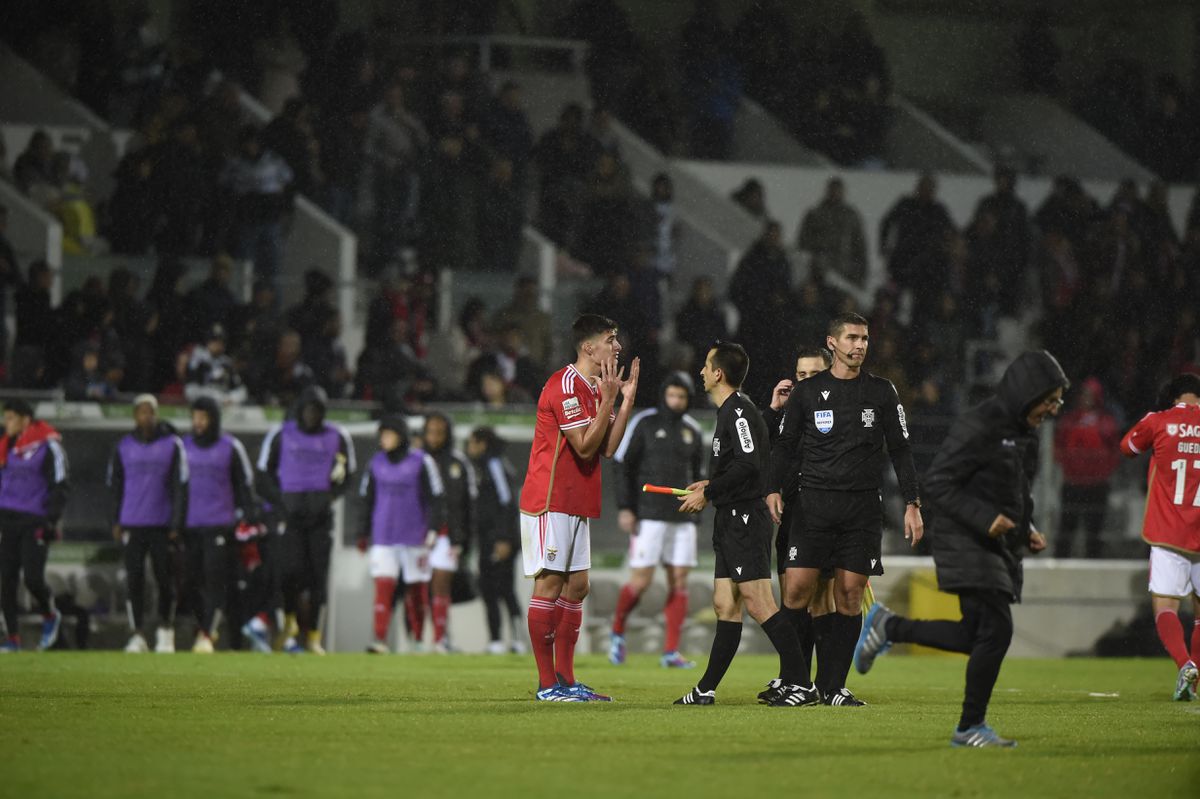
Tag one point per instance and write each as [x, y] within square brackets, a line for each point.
[629, 384]
[610, 380]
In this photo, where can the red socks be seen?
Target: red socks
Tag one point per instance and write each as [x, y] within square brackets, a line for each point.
[385, 588]
[541, 639]
[1170, 632]
[441, 613]
[626, 601]
[416, 597]
[566, 636]
[674, 613]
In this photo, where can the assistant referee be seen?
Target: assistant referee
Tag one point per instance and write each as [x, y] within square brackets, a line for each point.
[837, 428]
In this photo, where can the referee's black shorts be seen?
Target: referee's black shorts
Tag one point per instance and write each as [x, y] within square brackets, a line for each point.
[742, 542]
[838, 529]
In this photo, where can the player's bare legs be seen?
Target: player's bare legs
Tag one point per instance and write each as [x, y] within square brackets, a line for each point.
[1170, 632]
[439, 590]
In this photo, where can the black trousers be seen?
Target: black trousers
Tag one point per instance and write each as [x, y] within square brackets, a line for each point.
[1086, 504]
[496, 587]
[983, 634]
[24, 545]
[301, 565]
[210, 573]
[138, 542]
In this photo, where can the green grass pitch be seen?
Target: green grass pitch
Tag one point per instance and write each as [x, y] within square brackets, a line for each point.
[98, 725]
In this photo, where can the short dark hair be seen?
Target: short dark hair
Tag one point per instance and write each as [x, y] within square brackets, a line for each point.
[841, 320]
[590, 324]
[732, 360]
[1176, 387]
[19, 406]
[816, 352]
[489, 438]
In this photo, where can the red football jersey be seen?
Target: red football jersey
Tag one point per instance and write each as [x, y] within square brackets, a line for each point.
[558, 479]
[1172, 517]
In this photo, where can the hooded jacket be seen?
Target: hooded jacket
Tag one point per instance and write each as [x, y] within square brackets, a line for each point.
[458, 478]
[984, 468]
[33, 473]
[220, 491]
[662, 447]
[309, 460]
[1086, 441]
[148, 479]
[496, 506]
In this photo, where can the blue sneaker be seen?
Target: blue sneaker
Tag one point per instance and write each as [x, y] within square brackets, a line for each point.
[585, 692]
[557, 693]
[257, 635]
[981, 736]
[873, 640]
[50, 625]
[293, 647]
[674, 660]
[616, 649]
[10, 645]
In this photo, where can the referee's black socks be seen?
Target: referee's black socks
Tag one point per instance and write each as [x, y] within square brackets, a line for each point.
[793, 666]
[724, 647]
[843, 635]
[802, 621]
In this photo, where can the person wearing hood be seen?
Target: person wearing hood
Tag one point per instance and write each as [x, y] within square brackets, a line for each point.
[1085, 446]
[304, 466]
[33, 493]
[220, 494]
[497, 537]
[148, 480]
[663, 446]
[981, 486]
[458, 478]
[406, 506]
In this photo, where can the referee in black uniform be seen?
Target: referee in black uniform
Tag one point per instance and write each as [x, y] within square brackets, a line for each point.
[835, 430]
[742, 535]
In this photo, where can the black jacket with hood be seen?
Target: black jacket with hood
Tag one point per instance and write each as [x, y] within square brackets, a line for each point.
[662, 447]
[311, 503]
[458, 478]
[496, 509]
[984, 468]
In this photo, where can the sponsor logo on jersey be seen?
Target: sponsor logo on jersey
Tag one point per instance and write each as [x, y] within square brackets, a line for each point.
[903, 420]
[738, 411]
[660, 433]
[868, 417]
[1184, 430]
[716, 447]
[823, 420]
[571, 407]
[742, 426]
[1172, 429]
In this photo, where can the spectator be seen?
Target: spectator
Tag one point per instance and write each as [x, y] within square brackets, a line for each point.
[255, 324]
[259, 182]
[1085, 446]
[91, 378]
[609, 226]
[832, 233]
[290, 136]
[172, 331]
[212, 373]
[10, 275]
[308, 317]
[506, 130]
[522, 377]
[450, 204]
[401, 299]
[212, 302]
[395, 149]
[35, 329]
[600, 130]
[33, 166]
[752, 197]
[501, 219]
[565, 156]
[537, 327]
[280, 61]
[700, 322]
[343, 138]
[181, 188]
[390, 373]
[712, 83]
[452, 354]
[1170, 139]
[136, 324]
[666, 226]
[326, 356]
[761, 291]
[914, 226]
[134, 208]
[1013, 240]
[280, 376]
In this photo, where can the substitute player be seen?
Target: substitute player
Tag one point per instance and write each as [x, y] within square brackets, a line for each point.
[980, 483]
[741, 535]
[838, 427]
[1172, 522]
[661, 446]
[405, 507]
[461, 490]
[576, 424]
[812, 622]
[33, 493]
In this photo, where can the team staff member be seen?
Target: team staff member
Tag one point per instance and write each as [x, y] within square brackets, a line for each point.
[576, 424]
[836, 429]
[980, 483]
[148, 476]
[458, 478]
[662, 446]
[305, 465]
[1172, 523]
[741, 535]
[812, 623]
[220, 494]
[33, 493]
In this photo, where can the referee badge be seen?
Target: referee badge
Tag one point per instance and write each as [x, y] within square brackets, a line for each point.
[823, 420]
